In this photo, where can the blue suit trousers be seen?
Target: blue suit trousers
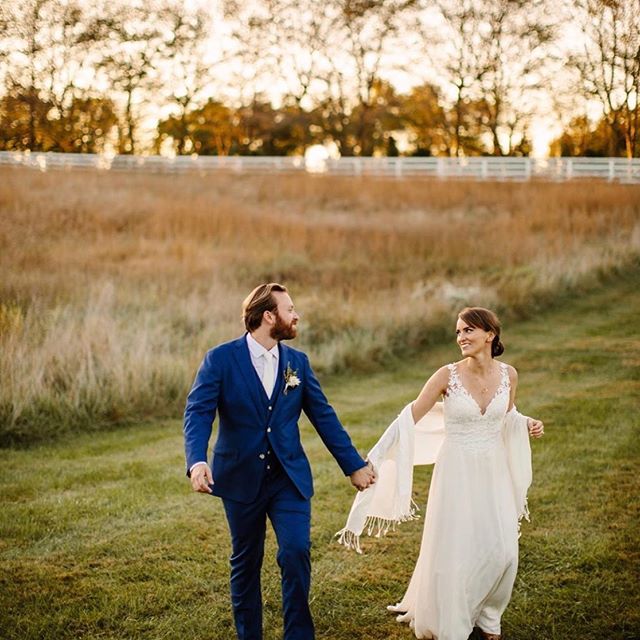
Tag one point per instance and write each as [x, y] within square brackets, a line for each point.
[290, 516]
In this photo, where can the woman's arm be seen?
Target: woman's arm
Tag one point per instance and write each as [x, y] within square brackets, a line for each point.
[435, 387]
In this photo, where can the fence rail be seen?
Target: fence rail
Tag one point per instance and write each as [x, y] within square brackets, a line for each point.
[476, 168]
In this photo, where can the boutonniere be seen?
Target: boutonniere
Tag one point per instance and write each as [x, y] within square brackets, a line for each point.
[291, 379]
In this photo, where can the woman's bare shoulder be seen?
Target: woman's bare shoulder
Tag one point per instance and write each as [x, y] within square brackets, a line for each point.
[442, 372]
[441, 377]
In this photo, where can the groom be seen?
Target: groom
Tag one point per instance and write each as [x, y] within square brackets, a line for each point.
[259, 387]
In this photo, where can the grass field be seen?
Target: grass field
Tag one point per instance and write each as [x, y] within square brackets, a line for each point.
[101, 537]
[113, 285]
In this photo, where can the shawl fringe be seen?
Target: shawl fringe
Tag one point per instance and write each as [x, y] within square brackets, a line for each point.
[375, 526]
[525, 515]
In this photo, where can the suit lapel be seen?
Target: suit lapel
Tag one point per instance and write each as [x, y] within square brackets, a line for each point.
[243, 358]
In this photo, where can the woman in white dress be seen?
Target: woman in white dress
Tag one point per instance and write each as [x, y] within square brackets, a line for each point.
[469, 554]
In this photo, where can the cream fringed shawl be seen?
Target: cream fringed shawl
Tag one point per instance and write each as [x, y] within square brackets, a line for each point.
[406, 444]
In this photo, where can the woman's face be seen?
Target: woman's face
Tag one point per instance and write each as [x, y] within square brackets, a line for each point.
[472, 340]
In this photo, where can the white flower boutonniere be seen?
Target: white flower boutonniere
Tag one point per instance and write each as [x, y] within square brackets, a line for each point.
[291, 379]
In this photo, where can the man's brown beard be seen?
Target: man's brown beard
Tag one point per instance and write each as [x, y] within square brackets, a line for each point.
[283, 331]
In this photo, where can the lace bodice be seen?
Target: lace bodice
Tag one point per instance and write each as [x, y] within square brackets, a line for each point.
[465, 424]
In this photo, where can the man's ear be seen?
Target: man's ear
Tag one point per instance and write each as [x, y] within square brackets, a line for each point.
[268, 317]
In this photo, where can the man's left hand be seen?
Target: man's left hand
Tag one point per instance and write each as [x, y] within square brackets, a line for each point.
[364, 477]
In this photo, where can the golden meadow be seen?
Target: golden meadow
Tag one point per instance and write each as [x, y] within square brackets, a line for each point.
[113, 285]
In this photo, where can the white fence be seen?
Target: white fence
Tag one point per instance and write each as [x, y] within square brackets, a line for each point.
[476, 168]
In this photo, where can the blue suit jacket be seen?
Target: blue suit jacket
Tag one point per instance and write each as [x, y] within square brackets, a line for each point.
[251, 424]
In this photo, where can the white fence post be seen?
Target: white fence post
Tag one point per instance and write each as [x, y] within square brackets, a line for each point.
[569, 173]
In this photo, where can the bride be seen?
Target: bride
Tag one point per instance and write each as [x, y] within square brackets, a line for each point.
[469, 553]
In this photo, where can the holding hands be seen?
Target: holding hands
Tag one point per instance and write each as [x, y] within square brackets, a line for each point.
[201, 478]
[364, 477]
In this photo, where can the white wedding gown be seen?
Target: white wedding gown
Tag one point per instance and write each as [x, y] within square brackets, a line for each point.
[469, 553]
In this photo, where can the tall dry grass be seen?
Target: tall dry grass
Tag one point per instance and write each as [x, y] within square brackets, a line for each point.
[113, 285]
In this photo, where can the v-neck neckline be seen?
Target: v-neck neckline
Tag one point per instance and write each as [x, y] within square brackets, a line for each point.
[502, 367]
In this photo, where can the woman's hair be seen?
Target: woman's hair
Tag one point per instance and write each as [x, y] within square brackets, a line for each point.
[488, 321]
[261, 299]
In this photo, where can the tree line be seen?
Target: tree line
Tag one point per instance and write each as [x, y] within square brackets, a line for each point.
[273, 77]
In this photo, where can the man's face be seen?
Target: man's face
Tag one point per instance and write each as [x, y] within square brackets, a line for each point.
[286, 318]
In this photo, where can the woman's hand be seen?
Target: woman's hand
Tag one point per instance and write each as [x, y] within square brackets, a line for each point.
[536, 428]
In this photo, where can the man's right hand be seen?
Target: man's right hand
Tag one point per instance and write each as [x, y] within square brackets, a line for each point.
[364, 477]
[201, 478]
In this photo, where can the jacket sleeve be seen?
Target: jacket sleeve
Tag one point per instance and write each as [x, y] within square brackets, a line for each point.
[200, 410]
[326, 423]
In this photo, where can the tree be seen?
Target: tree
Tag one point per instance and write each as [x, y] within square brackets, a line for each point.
[24, 123]
[372, 28]
[153, 49]
[187, 68]
[519, 36]
[425, 121]
[491, 54]
[372, 122]
[583, 137]
[254, 129]
[289, 41]
[274, 132]
[329, 61]
[46, 46]
[212, 129]
[130, 60]
[84, 127]
[608, 67]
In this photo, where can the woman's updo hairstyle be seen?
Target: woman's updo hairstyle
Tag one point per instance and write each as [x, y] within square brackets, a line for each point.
[487, 321]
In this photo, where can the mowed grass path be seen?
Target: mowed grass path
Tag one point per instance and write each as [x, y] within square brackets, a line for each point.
[101, 537]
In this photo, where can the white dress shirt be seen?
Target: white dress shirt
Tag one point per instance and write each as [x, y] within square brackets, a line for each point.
[256, 351]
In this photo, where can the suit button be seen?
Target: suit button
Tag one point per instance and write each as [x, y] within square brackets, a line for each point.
[270, 408]
[268, 429]
[268, 466]
[261, 456]
[268, 453]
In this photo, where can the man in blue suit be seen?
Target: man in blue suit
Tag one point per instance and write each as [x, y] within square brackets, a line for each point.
[259, 387]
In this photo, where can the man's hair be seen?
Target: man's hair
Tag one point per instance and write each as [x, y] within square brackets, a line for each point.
[261, 299]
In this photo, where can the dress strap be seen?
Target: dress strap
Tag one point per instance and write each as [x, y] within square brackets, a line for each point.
[454, 384]
[505, 381]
